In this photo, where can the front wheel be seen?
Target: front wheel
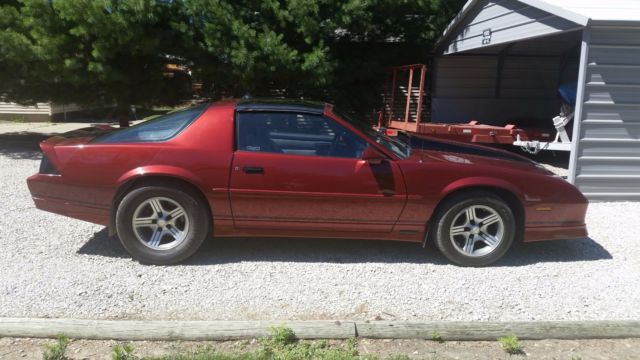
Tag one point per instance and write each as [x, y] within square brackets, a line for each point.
[162, 225]
[475, 229]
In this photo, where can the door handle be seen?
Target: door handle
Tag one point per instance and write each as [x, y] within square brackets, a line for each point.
[387, 192]
[253, 170]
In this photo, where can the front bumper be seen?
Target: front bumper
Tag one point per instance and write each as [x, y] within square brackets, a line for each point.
[565, 232]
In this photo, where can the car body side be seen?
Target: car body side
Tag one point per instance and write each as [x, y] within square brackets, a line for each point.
[95, 176]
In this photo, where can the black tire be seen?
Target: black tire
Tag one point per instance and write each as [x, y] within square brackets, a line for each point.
[454, 206]
[195, 211]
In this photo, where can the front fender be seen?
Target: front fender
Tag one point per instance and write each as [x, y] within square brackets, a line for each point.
[482, 181]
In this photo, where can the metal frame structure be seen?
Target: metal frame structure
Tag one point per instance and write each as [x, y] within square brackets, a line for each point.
[394, 119]
[390, 116]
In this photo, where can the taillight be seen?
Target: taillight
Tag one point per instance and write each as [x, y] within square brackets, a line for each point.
[47, 167]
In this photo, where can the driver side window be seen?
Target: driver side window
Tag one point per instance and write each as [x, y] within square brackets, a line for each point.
[296, 134]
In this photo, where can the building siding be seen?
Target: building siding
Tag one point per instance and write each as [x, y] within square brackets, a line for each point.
[466, 88]
[493, 22]
[13, 108]
[608, 155]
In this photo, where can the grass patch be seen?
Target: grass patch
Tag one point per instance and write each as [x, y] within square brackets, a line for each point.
[56, 351]
[282, 344]
[436, 336]
[511, 344]
[123, 352]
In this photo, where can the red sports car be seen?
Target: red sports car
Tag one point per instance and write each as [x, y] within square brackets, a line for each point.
[300, 169]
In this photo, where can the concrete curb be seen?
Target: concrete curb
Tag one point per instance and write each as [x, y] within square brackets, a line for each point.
[228, 330]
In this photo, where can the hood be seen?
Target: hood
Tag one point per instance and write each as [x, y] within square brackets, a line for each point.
[424, 143]
[427, 148]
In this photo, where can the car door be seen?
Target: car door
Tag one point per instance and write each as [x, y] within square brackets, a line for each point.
[302, 171]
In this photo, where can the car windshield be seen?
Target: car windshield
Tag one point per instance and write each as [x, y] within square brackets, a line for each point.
[395, 145]
[161, 128]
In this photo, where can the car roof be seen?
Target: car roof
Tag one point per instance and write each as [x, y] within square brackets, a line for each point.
[284, 105]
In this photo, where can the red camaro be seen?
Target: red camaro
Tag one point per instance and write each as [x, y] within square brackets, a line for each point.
[298, 169]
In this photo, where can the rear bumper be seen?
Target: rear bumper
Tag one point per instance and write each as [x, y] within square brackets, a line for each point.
[75, 210]
[565, 232]
[48, 197]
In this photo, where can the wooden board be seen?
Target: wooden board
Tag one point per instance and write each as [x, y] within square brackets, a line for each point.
[533, 330]
[228, 330]
[170, 330]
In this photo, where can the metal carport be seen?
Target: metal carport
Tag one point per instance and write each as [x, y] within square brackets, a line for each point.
[503, 60]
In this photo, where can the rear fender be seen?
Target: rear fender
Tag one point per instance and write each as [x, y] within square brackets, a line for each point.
[159, 170]
[148, 172]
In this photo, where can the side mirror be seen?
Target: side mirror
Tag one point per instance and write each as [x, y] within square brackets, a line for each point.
[372, 156]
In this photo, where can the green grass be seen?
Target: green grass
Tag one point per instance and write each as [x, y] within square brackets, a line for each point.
[123, 352]
[436, 336]
[282, 344]
[56, 351]
[511, 344]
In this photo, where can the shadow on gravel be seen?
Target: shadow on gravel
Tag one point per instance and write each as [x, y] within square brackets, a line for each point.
[232, 250]
[21, 145]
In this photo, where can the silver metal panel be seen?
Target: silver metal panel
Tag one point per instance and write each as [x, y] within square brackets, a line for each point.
[596, 10]
[464, 87]
[13, 108]
[606, 112]
[529, 77]
[465, 76]
[613, 94]
[614, 54]
[613, 74]
[608, 158]
[613, 36]
[611, 130]
[494, 111]
[604, 166]
[493, 22]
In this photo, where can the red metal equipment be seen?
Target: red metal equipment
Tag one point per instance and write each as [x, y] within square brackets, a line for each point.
[407, 108]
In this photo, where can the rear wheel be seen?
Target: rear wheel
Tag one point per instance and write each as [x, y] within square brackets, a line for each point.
[475, 229]
[162, 225]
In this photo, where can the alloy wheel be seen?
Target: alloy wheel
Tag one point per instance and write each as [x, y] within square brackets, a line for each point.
[160, 223]
[477, 230]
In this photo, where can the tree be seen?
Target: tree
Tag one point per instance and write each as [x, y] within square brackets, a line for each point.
[89, 51]
[115, 51]
[333, 50]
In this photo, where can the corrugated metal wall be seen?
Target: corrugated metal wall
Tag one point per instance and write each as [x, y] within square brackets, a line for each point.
[466, 88]
[607, 162]
[494, 22]
[471, 86]
[13, 108]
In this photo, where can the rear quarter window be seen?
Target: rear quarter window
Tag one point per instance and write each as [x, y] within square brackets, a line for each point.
[161, 128]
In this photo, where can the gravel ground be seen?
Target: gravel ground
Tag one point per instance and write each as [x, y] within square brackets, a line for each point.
[52, 266]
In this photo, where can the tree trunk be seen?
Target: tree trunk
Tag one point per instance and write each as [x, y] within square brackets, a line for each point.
[123, 115]
[123, 121]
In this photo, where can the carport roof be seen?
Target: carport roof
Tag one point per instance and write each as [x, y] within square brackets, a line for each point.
[579, 11]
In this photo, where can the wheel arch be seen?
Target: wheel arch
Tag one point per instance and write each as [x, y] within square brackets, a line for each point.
[507, 193]
[152, 179]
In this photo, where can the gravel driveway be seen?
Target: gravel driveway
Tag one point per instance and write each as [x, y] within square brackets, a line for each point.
[52, 266]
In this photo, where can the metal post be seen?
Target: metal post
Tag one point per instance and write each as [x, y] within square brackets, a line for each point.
[408, 108]
[423, 72]
[393, 96]
[578, 110]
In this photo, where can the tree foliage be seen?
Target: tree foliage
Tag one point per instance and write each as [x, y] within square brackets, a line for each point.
[91, 51]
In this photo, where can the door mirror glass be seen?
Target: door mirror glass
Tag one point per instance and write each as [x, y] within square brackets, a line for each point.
[372, 156]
